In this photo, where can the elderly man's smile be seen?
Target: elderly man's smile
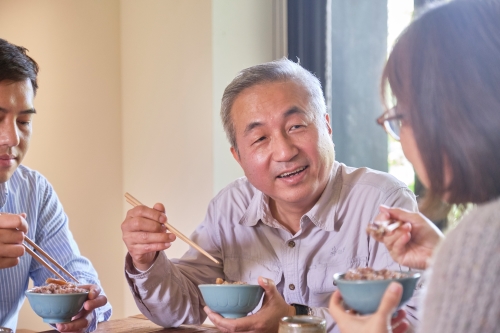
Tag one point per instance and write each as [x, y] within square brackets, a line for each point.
[294, 174]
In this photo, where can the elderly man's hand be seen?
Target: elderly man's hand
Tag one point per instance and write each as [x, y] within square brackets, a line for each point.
[13, 227]
[144, 234]
[266, 319]
[82, 320]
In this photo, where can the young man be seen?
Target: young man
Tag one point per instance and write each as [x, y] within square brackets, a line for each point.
[29, 206]
[297, 217]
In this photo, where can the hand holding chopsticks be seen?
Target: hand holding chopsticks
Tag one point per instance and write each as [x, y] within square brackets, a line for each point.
[134, 202]
[49, 258]
[11, 227]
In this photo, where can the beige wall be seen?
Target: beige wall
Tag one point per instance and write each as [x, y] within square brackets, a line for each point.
[167, 109]
[242, 37]
[129, 101]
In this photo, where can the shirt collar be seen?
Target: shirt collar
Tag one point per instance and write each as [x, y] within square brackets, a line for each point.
[323, 213]
[258, 210]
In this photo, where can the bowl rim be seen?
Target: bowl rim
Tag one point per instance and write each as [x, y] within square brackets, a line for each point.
[338, 277]
[32, 293]
[229, 285]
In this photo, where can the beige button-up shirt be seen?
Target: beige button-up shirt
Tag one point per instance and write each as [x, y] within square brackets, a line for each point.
[241, 233]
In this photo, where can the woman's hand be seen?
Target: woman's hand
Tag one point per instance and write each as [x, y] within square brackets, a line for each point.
[379, 322]
[413, 243]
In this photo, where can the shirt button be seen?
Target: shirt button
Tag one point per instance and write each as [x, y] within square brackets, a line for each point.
[291, 244]
[291, 286]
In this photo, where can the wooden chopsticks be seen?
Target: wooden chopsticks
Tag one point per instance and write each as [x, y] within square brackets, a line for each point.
[49, 258]
[134, 202]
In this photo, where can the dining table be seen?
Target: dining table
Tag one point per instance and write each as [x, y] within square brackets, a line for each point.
[141, 324]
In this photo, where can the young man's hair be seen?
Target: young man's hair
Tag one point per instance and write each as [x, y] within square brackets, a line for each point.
[444, 73]
[16, 65]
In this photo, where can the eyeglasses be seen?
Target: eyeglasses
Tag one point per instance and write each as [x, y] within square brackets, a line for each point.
[391, 121]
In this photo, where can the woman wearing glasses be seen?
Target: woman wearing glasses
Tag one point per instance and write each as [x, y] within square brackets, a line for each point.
[444, 73]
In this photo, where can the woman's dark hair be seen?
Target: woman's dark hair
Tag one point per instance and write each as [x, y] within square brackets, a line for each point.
[444, 73]
[16, 65]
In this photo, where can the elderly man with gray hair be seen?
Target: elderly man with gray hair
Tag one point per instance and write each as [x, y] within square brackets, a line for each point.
[295, 219]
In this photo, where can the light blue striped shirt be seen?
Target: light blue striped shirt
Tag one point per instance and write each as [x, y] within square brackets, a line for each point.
[27, 191]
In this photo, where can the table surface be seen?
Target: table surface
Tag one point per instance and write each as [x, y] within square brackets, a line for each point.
[141, 324]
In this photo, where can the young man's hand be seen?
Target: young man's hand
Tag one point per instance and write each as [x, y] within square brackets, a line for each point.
[13, 227]
[83, 319]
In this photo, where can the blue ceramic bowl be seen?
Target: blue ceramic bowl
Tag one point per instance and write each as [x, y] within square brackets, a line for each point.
[56, 308]
[363, 296]
[231, 300]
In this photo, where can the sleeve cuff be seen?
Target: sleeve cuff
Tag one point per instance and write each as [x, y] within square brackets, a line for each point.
[142, 282]
[98, 316]
[132, 271]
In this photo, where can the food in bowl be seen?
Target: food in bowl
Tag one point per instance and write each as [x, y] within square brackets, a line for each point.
[363, 295]
[222, 281]
[58, 301]
[368, 273]
[55, 286]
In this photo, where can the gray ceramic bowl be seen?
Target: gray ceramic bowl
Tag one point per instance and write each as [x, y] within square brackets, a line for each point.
[231, 300]
[56, 308]
[363, 296]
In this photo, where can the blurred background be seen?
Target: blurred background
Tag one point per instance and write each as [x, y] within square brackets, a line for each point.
[130, 93]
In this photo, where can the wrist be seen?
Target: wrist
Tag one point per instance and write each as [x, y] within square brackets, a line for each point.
[142, 266]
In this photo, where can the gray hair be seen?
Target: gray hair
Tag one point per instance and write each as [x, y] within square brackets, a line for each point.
[274, 71]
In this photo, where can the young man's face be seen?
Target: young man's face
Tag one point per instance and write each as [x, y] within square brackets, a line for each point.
[283, 151]
[16, 112]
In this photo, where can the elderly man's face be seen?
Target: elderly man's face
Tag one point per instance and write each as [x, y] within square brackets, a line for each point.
[283, 151]
[16, 112]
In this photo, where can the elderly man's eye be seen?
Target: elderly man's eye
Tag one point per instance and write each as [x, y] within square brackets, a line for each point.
[262, 138]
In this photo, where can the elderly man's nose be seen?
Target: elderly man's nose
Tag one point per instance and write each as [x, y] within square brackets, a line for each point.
[284, 149]
[9, 135]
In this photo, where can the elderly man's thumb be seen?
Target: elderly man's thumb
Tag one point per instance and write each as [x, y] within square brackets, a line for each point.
[266, 283]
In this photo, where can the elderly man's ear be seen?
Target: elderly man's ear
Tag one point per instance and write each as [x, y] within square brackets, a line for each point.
[236, 155]
[328, 125]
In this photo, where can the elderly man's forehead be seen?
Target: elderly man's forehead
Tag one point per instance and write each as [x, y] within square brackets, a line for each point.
[301, 95]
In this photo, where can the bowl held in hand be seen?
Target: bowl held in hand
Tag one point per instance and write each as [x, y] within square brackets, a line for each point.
[364, 296]
[56, 308]
[231, 300]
